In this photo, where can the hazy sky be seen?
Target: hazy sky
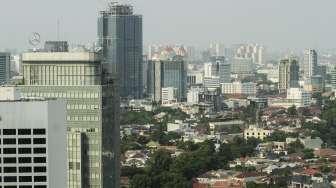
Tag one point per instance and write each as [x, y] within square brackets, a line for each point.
[275, 23]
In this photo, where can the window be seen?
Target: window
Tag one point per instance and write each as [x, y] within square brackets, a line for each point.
[39, 140]
[9, 132]
[9, 169]
[40, 169]
[40, 160]
[9, 150]
[9, 160]
[10, 179]
[25, 169]
[24, 132]
[39, 131]
[25, 160]
[9, 141]
[25, 179]
[24, 150]
[40, 178]
[24, 141]
[40, 186]
[39, 150]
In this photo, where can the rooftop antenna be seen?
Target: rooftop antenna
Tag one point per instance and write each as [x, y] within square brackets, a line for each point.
[112, 3]
[58, 29]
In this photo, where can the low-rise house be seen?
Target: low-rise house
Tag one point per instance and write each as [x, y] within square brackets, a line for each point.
[250, 176]
[326, 153]
[256, 132]
[136, 158]
[303, 181]
[308, 143]
[218, 179]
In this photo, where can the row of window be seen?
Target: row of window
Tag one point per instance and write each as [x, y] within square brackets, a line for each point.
[11, 160]
[24, 150]
[68, 95]
[82, 106]
[24, 179]
[26, 169]
[83, 118]
[11, 141]
[24, 186]
[255, 133]
[23, 131]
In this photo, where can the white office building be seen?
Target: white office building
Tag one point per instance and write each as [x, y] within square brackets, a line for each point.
[211, 83]
[310, 63]
[193, 96]
[242, 67]
[297, 97]
[33, 143]
[169, 95]
[239, 88]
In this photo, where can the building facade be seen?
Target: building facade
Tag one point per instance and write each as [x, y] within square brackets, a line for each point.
[33, 143]
[288, 74]
[4, 67]
[239, 88]
[120, 36]
[242, 67]
[163, 73]
[310, 66]
[218, 67]
[92, 107]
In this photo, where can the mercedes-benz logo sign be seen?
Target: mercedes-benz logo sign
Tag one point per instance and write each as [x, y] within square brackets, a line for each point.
[35, 39]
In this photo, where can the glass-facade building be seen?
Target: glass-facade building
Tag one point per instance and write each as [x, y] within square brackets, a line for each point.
[92, 107]
[120, 36]
[167, 73]
[288, 74]
[4, 67]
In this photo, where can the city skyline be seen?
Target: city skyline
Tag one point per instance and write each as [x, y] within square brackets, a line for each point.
[228, 22]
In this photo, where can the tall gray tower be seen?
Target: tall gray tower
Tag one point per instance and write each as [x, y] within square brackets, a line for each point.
[4, 67]
[310, 63]
[288, 74]
[120, 36]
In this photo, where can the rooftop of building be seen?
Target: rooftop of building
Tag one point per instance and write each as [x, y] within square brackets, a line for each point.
[114, 8]
[61, 56]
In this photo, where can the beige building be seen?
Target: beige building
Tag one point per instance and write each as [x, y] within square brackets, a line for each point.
[256, 132]
[92, 106]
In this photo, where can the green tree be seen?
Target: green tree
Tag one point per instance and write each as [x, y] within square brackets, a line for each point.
[141, 180]
[159, 162]
[308, 154]
[292, 111]
[295, 147]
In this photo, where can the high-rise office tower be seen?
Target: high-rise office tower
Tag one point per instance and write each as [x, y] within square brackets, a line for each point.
[163, 73]
[218, 67]
[4, 67]
[33, 141]
[333, 78]
[120, 36]
[224, 68]
[254, 51]
[92, 106]
[310, 66]
[288, 74]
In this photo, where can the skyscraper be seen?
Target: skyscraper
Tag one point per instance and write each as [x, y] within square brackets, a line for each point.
[4, 67]
[33, 141]
[224, 68]
[163, 73]
[92, 106]
[288, 74]
[310, 66]
[120, 36]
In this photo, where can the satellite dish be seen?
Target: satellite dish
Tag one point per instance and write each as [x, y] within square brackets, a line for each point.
[35, 39]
